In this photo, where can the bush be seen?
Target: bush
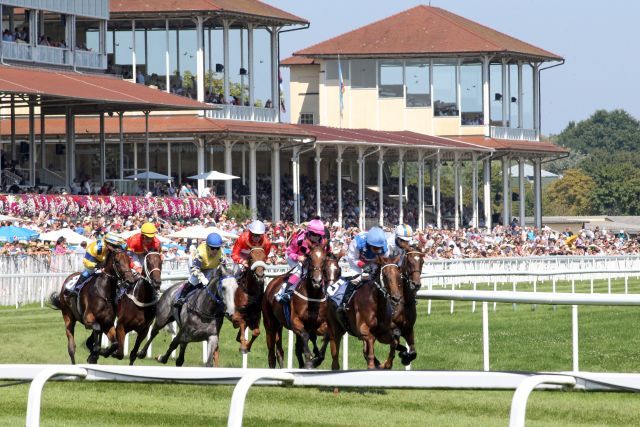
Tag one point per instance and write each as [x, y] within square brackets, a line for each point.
[239, 212]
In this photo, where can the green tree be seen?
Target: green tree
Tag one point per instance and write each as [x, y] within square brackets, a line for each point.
[569, 195]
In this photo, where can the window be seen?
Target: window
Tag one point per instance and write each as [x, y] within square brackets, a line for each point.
[471, 94]
[364, 73]
[306, 118]
[332, 69]
[418, 86]
[445, 90]
[390, 81]
[495, 94]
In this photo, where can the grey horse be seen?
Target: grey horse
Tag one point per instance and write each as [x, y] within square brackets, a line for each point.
[199, 319]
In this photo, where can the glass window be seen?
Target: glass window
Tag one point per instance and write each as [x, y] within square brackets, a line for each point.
[513, 95]
[445, 90]
[527, 101]
[391, 82]
[364, 73]
[471, 94]
[417, 82]
[495, 94]
[332, 69]
[306, 118]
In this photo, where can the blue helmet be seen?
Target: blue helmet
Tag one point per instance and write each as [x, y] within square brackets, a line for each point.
[376, 237]
[214, 240]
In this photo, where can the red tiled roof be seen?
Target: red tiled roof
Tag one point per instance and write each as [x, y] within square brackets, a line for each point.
[101, 91]
[510, 145]
[131, 8]
[298, 60]
[424, 30]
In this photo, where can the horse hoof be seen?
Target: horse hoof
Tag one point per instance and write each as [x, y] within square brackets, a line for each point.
[317, 361]
[118, 356]
[406, 358]
[243, 350]
[161, 360]
[142, 355]
[92, 360]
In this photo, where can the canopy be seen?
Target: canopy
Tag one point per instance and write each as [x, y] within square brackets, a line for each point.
[11, 233]
[72, 237]
[214, 176]
[201, 232]
[151, 175]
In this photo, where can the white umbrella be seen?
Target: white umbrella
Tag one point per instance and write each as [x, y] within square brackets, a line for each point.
[201, 232]
[9, 218]
[214, 176]
[126, 234]
[152, 175]
[72, 237]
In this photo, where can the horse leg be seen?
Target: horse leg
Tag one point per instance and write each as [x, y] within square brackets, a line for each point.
[142, 333]
[154, 332]
[94, 341]
[335, 351]
[70, 325]
[298, 351]
[180, 359]
[120, 336]
[279, 350]
[393, 345]
[298, 327]
[255, 332]
[368, 351]
[242, 325]
[174, 344]
[319, 354]
[213, 348]
[114, 348]
[408, 356]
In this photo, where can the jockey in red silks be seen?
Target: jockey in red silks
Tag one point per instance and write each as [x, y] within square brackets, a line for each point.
[299, 248]
[253, 237]
[140, 244]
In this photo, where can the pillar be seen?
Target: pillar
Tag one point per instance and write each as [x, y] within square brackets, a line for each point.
[70, 123]
[275, 63]
[505, 94]
[121, 143]
[146, 147]
[295, 158]
[253, 197]
[200, 149]
[522, 207]
[32, 141]
[438, 204]
[167, 62]
[537, 182]
[361, 215]
[226, 60]
[228, 185]
[381, 187]
[506, 192]
[134, 60]
[340, 150]
[200, 57]
[13, 127]
[275, 182]
[43, 140]
[486, 198]
[103, 151]
[474, 190]
[520, 97]
[420, 190]
[318, 159]
[536, 98]
[400, 186]
[456, 191]
[486, 100]
[252, 97]
[169, 163]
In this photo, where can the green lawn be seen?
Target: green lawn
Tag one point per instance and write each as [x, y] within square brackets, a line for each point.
[521, 339]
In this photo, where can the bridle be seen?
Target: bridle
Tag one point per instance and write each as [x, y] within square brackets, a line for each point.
[393, 300]
[257, 264]
[147, 272]
[312, 270]
[406, 275]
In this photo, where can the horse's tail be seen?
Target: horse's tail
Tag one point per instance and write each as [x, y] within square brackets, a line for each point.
[54, 300]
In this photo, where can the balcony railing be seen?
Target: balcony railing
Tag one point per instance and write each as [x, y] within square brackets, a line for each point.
[89, 59]
[238, 112]
[53, 55]
[515, 134]
[17, 51]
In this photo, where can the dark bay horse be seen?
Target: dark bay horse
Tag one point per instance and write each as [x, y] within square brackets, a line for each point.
[137, 308]
[369, 315]
[200, 317]
[404, 317]
[248, 299]
[307, 308]
[95, 306]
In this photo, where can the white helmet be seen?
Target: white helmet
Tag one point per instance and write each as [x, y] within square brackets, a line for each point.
[257, 227]
[404, 232]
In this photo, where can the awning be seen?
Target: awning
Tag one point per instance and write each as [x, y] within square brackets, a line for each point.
[86, 93]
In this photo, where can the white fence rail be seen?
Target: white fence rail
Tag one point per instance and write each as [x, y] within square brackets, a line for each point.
[517, 134]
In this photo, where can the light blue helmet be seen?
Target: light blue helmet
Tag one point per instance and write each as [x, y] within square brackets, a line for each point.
[214, 240]
[376, 237]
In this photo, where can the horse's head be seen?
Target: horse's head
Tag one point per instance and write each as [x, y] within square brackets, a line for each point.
[257, 263]
[152, 269]
[390, 277]
[120, 266]
[412, 269]
[315, 264]
[227, 286]
[332, 270]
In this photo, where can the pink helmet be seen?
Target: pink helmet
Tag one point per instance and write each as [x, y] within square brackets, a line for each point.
[316, 226]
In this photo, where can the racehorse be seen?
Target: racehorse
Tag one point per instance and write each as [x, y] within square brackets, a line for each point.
[137, 308]
[405, 314]
[248, 299]
[199, 319]
[369, 315]
[94, 307]
[307, 308]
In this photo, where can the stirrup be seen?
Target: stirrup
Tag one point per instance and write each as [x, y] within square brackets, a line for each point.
[179, 302]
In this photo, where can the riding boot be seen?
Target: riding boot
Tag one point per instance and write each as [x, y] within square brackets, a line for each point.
[342, 308]
[183, 296]
[285, 296]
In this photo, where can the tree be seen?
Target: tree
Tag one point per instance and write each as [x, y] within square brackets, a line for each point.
[570, 195]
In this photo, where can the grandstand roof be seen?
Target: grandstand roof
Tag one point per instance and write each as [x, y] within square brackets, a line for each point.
[424, 31]
[535, 147]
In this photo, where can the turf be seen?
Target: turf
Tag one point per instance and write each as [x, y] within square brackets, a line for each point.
[522, 338]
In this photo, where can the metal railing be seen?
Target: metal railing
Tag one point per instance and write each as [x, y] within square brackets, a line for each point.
[16, 51]
[516, 134]
[239, 112]
[51, 55]
[89, 59]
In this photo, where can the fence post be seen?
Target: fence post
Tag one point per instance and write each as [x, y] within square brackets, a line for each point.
[345, 352]
[485, 335]
[574, 328]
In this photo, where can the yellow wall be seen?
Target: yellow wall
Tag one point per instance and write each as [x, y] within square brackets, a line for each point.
[391, 114]
[362, 114]
[420, 120]
[304, 80]
[446, 125]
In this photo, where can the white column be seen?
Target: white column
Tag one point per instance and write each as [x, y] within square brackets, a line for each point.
[32, 141]
[420, 190]
[242, 98]
[200, 145]
[121, 143]
[134, 59]
[505, 94]
[200, 57]
[486, 198]
[380, 187]
[456, 191]
[486, 100]
[227, 63]
[318, 159]
[275, 63]
[474, 190]
[520, 97]
[438, 204]
[253, 199]
[400, 186]
[506, 192]
[361, 222]
[252, 97]
[432, 183]
[296, 182]
[169, 162]
[103, 151]
[71, 146]
[228, 188]
[340, 150]
[167, 62]
[522, 205]
[536, 97]
[275, 182]
[537, 182]
[146, 146]
[244, 164]
[178, 49]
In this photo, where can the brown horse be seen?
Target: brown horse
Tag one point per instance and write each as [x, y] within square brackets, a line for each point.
[307, 308]
[405, 314]
[369, 315]
[248, 299]
[137, 308]
[95, 306]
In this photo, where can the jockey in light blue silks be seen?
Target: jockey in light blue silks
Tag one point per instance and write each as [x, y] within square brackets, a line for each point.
[400, 242]
[364, 250]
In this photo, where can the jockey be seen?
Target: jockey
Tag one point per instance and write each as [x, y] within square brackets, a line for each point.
[315, 235]
[140, 244]
[363, 253]
[253, 237]
[204, 266]
[95, 255]
[400, 242]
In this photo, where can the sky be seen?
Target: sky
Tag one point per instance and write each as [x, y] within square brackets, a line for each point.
[598, 39]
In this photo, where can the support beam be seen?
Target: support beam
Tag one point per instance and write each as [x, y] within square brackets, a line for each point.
[146, 148]
[520, 97]
[200, 149]
[522, 205]
[275, 75]
[537, 182]
[167, 62]
[486, 101]
[340, 150]
[486, 198]
[169, 162]
[228, 186]
[103, 151]
[456, 191]
[536, 97]
[253, 196]
[32, 141]
[420, 190]
[200, 58]
[506, 191]
[318, 160]
[295, 158]
[134, 59]
[361, 214]
[226, 59]
[250, 69]
[43, 145]
[400, 186]
[275, 182]
[438, 204]
[474, 190]
[121, 143]
[505, 93]
[381, 187]
[13, 127]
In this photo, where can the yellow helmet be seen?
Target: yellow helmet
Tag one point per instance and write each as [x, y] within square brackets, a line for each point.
[148, 229]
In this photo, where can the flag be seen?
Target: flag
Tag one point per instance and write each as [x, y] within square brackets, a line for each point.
[341, 86]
